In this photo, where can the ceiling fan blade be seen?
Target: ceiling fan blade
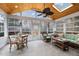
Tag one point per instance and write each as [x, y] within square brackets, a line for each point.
[39, 14]
[51, 13]
[39, 11]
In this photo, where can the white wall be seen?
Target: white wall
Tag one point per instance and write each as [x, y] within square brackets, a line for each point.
[3, 39]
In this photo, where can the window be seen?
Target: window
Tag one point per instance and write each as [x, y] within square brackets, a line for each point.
[26, 25]
[13, 26]
[1, 25]
[62, 6]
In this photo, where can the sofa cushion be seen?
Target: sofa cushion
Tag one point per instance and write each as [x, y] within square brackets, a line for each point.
[71, 37]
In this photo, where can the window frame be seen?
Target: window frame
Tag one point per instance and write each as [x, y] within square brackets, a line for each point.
[63, 9]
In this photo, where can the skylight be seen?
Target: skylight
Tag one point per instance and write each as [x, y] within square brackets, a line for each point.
[62, 6]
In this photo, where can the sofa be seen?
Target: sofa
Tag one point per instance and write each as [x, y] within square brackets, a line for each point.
[72, 39]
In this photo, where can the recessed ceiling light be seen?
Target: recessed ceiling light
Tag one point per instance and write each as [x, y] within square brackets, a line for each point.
[16, 6]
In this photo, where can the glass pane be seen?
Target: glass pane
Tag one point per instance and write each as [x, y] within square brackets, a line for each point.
[62, 6]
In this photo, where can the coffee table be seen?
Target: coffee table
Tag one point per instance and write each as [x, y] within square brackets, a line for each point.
[62, 43]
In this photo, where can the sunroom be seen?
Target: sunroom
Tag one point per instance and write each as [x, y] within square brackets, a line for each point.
[39, 29]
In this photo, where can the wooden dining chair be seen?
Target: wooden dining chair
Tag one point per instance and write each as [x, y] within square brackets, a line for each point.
[26, 41]
[11, 43]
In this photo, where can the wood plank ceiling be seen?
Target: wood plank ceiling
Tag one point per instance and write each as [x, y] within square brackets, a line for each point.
[10, 8]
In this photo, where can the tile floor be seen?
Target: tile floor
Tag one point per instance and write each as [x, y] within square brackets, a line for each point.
[38, 48]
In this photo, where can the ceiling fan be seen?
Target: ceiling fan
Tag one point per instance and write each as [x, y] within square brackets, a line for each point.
[46, 12]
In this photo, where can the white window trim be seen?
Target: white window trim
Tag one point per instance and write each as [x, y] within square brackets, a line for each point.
[63, 9]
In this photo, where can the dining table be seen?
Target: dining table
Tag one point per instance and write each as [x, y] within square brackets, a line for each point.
[21, 41]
